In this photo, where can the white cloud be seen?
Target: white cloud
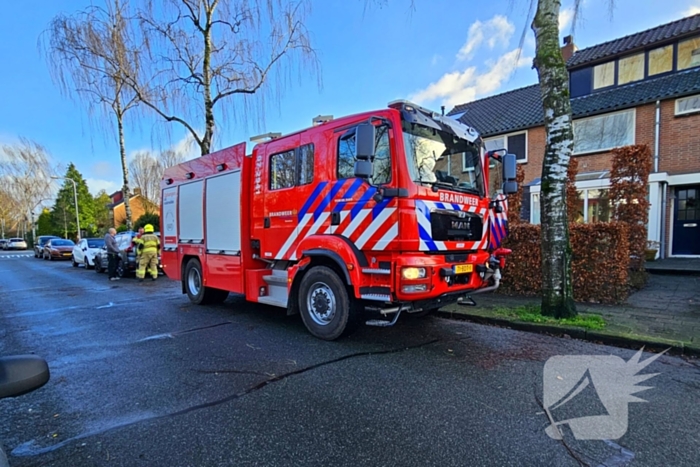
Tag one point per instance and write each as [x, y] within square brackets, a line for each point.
[102, 169]
[185, 145]
[497, 30]
[692, 10]
[565, 17]
[96, 185]
[459, 87]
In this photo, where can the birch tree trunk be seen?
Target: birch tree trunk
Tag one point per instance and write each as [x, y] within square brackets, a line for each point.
[125, 166]
[557, 293]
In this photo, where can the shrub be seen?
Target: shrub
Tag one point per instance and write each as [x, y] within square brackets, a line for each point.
[148, 218]
[600, 261]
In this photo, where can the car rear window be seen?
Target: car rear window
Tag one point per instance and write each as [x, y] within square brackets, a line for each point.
[96, 243]
[16, 239]
[62, 243]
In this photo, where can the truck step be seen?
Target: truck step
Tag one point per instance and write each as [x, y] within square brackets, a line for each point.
[273, 301]
[376, 271]
[276, 279]
[383, 322]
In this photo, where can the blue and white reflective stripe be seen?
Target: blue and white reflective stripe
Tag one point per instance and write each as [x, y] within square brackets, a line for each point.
[372, 228]
[310, 201]
[390, 235]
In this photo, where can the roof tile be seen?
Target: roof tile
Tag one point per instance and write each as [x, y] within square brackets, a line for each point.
[635, 41]
[522, 108]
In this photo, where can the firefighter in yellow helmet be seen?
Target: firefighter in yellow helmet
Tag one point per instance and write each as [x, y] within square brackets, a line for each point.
[148, 260]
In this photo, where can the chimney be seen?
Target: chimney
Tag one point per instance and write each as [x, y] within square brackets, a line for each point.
[567, 51]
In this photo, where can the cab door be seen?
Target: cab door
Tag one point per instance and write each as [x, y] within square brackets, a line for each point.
[279, 196]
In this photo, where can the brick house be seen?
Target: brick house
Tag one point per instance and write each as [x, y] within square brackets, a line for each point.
[139, 206]
[640, 89]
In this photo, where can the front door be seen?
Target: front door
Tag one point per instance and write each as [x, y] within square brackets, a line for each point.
[686, 221]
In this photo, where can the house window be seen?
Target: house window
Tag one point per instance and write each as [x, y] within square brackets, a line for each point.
[604, 132]
[515, 143]
[689, 53]
[535, 209]
[661, 60]
[592, 205]
[282, 170]
[688, 105]
[603, 75]
[631, 69]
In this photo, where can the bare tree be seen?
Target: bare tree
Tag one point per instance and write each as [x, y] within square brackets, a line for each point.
[201, 52]
[147, 171]
[25, 171]
[90, 54]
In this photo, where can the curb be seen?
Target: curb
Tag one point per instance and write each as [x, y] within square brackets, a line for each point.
[575, 333]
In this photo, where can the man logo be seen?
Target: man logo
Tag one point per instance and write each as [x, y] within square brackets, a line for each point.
[614, 381]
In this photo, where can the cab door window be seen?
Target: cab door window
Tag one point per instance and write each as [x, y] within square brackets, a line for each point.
[381, 172]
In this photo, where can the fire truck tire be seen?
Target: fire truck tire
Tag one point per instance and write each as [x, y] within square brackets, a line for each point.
[197, 293]
[326, 307]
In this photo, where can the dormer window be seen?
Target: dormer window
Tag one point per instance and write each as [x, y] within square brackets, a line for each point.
[689, 53]
[604, 75]
[661, 60]
[631, 69]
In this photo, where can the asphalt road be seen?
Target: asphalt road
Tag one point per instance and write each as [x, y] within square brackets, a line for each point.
[142, 377]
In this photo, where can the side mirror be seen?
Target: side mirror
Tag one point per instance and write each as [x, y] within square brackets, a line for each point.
[363, 169]
[510, 164]
[364, 142]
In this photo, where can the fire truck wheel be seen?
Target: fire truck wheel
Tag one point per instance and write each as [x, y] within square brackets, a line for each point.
[325, 305]
[197, 293]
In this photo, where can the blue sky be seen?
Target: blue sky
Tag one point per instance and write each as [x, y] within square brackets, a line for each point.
[438, 53]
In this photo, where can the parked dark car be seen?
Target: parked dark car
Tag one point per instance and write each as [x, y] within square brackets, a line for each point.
[40, 243]
[127, 264]
[2, 243]
[58, 248]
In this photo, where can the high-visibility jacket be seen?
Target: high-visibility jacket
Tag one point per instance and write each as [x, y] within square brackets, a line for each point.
[149, 242]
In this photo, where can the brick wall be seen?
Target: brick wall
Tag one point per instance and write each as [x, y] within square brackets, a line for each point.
[679, 143]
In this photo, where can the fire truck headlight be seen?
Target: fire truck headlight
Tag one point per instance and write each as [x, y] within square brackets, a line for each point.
[412, 273]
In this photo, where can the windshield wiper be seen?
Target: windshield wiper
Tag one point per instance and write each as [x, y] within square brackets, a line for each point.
[450, 186]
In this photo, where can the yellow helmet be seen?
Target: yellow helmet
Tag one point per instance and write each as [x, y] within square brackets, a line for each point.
[148, 228]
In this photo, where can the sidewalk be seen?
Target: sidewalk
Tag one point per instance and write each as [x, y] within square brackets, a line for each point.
[666, 313]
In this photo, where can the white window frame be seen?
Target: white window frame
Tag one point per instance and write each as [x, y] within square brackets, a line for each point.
[505, 141]
[686, 112]
[606, 149]
[596, 184]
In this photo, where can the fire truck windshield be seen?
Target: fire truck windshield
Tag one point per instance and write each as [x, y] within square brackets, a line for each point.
[441, 159]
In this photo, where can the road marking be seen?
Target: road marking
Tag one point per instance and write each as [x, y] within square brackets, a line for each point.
[110, 305]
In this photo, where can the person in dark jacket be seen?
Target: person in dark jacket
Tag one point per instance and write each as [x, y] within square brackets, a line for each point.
[112, 254]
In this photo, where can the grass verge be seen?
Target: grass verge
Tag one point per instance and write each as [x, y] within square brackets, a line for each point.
[533, 314]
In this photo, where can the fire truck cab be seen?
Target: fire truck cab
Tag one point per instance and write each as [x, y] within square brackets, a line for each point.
[379, 213]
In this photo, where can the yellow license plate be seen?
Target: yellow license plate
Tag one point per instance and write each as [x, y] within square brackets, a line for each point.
[463, 268]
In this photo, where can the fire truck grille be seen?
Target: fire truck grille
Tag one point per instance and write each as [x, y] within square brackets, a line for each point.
[455, 225]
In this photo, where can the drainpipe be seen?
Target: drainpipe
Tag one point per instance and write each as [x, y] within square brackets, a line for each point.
[662, 240]
[657, 127]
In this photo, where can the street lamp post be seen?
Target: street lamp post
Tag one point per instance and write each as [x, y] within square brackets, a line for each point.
[75, 194]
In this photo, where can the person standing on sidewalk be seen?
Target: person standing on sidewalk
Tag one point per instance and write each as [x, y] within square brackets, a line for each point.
[112, 254]
[149, 253]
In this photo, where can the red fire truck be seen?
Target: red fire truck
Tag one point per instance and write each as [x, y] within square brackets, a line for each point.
[365, 216]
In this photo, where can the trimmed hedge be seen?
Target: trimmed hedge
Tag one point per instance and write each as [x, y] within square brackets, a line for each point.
[600, 261]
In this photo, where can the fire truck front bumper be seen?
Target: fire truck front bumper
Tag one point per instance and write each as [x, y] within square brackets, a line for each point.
[429, 286]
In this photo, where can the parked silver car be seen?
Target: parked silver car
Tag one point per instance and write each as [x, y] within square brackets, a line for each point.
[16, 244]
